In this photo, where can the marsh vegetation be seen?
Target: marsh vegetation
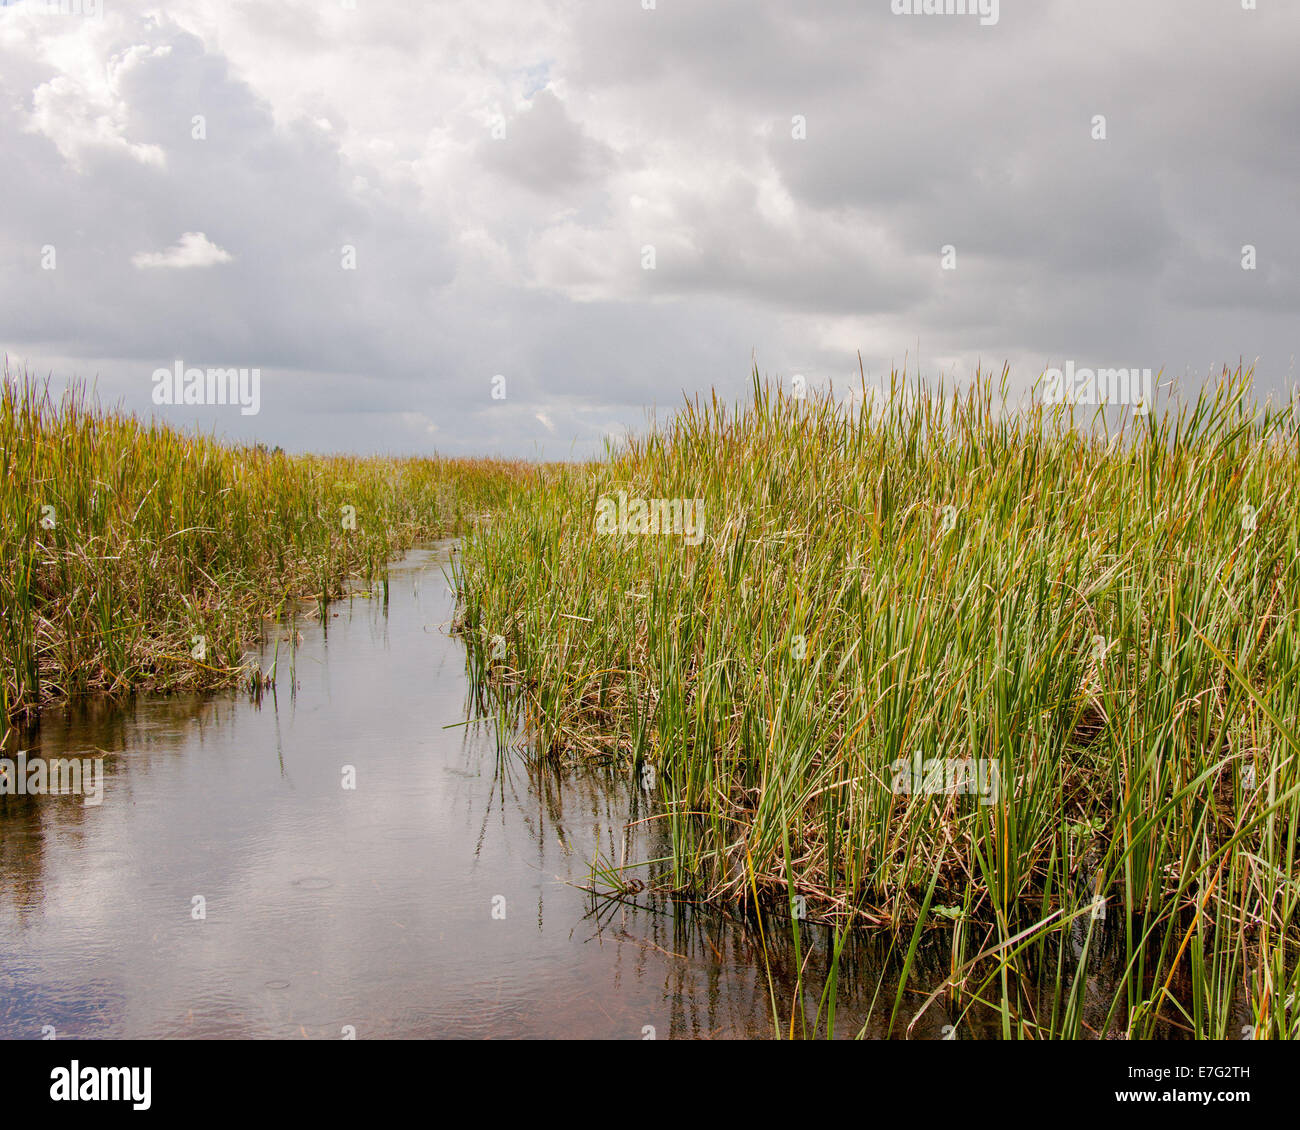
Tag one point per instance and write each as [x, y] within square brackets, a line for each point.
[1100, 615]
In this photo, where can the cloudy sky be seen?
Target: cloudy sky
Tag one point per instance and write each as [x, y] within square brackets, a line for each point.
[610, 204]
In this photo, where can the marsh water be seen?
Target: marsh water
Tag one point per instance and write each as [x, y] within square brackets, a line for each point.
[229, 884]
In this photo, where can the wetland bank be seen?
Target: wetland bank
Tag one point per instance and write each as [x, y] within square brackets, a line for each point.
[700, 731]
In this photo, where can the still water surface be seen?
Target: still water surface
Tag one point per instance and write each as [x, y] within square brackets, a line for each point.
[370, 907]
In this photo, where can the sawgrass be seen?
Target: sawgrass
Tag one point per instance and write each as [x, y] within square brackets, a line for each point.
[122, 542]
[1107, 613]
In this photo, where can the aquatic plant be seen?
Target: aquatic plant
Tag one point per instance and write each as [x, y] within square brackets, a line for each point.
[134, 555]
[1103, 609]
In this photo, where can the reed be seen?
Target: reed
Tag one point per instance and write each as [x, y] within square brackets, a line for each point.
[133, 555]
[1104, 611]
[1102, 614]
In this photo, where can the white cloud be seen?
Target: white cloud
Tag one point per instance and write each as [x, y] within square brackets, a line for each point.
[78, 124]
[193, 250]
[84, 109]
[418, 421]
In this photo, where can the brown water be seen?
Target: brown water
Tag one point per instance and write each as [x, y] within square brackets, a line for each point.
[370, 907]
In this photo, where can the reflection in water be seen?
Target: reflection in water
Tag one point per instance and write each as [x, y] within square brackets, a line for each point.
[439, 897]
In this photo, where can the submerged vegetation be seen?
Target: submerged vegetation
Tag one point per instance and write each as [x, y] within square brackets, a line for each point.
[1105, 622]
[133, 555]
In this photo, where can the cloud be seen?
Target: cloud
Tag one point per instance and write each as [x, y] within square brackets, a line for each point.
[419, 422]
[501, 172]
[193, 250]
[543, 149]
[86, 111]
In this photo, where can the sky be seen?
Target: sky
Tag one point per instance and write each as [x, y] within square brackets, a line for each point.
[522, 229]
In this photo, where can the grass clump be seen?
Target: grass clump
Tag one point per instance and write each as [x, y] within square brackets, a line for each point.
[123, 542]
[1105, 616]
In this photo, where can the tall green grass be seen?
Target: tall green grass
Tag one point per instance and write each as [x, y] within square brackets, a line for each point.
[121, 542]
[1108, 613]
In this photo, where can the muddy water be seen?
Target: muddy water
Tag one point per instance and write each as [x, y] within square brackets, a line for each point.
[438, 898]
